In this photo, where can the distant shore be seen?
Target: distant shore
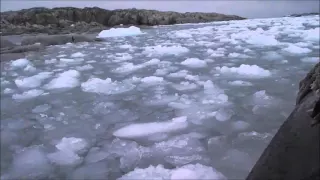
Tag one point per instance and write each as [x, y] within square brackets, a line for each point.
[65, 20]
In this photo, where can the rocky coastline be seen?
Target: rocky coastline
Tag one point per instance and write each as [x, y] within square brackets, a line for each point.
[65, 20]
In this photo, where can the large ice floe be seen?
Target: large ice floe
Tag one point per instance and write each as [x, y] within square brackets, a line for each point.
[118, 32]
[192, 101]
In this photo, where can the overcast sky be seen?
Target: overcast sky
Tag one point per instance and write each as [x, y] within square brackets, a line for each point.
[248, 8]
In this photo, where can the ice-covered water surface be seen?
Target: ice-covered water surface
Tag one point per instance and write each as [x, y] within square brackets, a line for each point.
[197, 101]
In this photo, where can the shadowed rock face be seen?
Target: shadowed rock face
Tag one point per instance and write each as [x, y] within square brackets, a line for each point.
[68, 19]
[293, 153]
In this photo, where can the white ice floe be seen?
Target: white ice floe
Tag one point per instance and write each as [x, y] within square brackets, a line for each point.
[32, 81]
[84, 67]
[118, 32]
[122, 57]
[194, 63]
[312, 34]
[178, 74]
[77, 55]
[311, 59]
[50, 61]
[181, 34]
[152, 80]
[271, 55]
[160, 50]
[20, 63]
[71, 144]
[126, 46]
[146, 129]
[68, 158]
[107, 86]
[187, 172]
[30, 68]
[184, 86]
[67, 79]
[30, 163]
[293, 49]
[66, 60]
[252, 71]
[28, 94]
[130, 67]
[8, 91]
[240, 83]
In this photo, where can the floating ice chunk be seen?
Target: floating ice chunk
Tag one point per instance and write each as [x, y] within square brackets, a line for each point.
[84, 68]
[76, 60]
[179, 74]
[50, 61]
[118, 32]
[64, 158]
[272, 56]
[30, 163]
[194, 63]
[123, 57]
[196, 171]
[312, 34]
[33, 81]
[302, 44]
[130, 67]
[239, 160]
[146, 129]
[67, 79]
[238, 55]
[77, 55]
[152, 80]
[161, 72]
[30, 68]
[264, 40]
[126, 46]
[182, 34]
[188, 172]
[184, 86]
[20, 63]
[310, 59]
[217, 54]
[91, 172]
[192, 77]
[72, 144]
[61, 55]
[41, 108]
[165, 50]
[223, 114]
[158, 172]
[27, 95]
[96, 85]
[240, 83]
[240, 125]
[8, 91]
[159, 100]
[253, 71]
[296, 50]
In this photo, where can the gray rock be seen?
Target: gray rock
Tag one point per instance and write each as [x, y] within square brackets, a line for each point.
[48, 40]
[6, 43]
[71, 20]
[11, 56]
[293, 153]
[22, 49]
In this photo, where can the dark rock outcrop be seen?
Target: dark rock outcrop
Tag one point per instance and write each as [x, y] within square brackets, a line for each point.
[304, 14]
[69, 19]
[48, 40]
[10, 51]
[293, 153]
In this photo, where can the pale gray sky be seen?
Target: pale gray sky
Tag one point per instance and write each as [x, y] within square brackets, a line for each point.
[248, 8]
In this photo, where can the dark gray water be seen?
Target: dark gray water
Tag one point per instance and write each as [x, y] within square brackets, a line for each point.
[204, 97]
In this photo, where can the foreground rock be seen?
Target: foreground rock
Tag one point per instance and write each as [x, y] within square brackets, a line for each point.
[11, 51]
[70, 20]
[293, 153]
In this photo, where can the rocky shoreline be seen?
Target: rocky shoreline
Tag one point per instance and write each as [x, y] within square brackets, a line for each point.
[65, 20]
[293, 153]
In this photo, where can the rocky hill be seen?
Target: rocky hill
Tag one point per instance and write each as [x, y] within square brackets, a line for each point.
[69, 19]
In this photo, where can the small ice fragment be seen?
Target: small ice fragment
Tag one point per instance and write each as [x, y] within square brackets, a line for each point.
[146, 129]
[194, 63]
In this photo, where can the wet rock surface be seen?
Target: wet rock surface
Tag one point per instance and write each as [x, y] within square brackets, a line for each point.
[293, 153]
[69, 20]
